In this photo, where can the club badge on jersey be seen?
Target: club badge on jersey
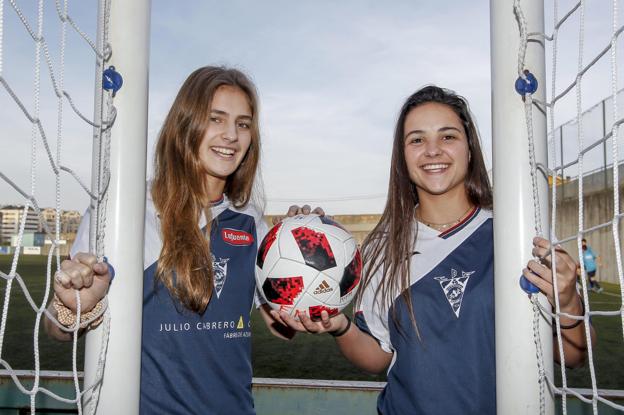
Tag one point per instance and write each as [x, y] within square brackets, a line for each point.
[454, 288]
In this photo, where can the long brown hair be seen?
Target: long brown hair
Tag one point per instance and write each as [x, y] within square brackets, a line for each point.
[179, 187]
[388, 248]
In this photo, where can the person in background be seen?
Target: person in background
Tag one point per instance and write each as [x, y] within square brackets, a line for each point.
[590, 260]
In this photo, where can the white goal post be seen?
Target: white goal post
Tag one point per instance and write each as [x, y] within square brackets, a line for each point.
[517, 377]
[129, 36]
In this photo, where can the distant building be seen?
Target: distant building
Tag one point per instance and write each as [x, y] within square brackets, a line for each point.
[34, 231]
[70, 220]
[11, 219]
[49, 218]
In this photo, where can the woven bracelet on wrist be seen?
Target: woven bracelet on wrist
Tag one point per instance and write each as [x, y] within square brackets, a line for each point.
[577, 322]
[67, 317]
[339, 333]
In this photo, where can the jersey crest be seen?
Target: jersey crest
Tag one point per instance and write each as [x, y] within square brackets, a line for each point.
[219, 269]
[454, 288]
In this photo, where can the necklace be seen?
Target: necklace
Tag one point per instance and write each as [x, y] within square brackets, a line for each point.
[443, 226]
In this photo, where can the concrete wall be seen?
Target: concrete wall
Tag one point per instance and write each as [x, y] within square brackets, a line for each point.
[597, 209]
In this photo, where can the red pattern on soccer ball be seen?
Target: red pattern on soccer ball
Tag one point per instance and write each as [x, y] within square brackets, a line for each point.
[352, 275]
[315, 311]
[282, 290]
[315, 248]
[266, 244]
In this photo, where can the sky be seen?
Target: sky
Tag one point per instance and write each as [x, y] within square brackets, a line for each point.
[331, 77]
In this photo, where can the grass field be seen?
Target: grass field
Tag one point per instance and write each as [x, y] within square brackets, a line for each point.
[305, 357]
[18, 348]
[609, 348]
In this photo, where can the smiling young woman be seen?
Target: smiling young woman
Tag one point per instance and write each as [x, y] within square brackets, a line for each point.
[425, 309]
[437, 158]
[209, 146]
[201, 239]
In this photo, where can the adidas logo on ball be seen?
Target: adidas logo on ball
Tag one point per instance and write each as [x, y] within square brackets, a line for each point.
[323, 288]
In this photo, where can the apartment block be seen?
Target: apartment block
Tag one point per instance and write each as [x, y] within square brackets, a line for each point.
[11, 217]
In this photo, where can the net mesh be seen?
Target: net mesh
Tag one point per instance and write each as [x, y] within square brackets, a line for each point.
[578, 170]
[55, 115]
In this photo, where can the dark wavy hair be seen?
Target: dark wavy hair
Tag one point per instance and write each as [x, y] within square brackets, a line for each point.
[388, 248]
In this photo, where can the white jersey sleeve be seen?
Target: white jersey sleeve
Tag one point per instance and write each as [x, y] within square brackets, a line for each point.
[261, 230]
[81, 243]
[372, 314]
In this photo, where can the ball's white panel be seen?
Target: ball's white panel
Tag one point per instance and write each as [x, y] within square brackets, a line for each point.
[334, 301]
[323, 289]
[285, 267]
[313, 308]
[327, 291]
[282, 307]
[284, 285]
[312, 220]
[287, 245]
[338, 233]
[350, 246]
[300, 220]
[304, 301]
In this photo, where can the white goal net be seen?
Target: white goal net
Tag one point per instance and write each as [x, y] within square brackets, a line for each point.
[55, 145]
[583, 169]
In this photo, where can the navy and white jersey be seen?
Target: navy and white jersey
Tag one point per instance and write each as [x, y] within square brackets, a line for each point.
[450, 369]
[200, 363]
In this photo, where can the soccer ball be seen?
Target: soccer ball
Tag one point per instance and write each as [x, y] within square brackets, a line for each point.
[307, 264]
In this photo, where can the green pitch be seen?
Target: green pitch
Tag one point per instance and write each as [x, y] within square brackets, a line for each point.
[609, 347]
[18, 347]
[306, 356]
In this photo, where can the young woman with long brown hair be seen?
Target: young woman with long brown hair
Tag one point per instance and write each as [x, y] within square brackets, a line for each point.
[425, 309]
[201, 237]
